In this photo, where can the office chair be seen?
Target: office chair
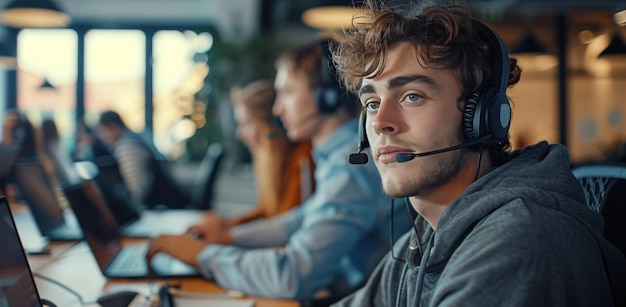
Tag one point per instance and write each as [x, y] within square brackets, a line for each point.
[604, 184]
[202, 192]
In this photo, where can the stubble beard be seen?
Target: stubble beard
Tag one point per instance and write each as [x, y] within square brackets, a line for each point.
[423, 174]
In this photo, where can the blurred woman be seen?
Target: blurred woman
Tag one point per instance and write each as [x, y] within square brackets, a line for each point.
[18, 130]
[283, 170]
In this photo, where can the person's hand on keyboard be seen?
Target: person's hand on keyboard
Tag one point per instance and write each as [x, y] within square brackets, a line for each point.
[212, 229]
[182, 247]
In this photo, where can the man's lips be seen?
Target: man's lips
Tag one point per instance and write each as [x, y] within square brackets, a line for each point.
[387, 154]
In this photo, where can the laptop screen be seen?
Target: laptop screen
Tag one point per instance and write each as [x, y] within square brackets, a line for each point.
[8, 153]
[17, 287]
[37, 190]
[115, 192]
[100, 230]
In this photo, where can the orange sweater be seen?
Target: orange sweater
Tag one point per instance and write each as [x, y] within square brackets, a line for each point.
[284, 179]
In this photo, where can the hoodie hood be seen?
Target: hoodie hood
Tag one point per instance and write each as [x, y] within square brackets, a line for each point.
[540, 174]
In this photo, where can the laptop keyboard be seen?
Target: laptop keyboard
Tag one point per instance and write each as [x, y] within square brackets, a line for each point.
[131, 259]
[65, 232]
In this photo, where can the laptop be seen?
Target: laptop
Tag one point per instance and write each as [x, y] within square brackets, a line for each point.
[32, 240]
[102, 234]
[134, 222]
[36, 189]
[8, 153]
[17, 286]
[105, 171]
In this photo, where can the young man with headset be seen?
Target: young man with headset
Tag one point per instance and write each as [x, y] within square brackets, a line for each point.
[494, 228]
[336, 237]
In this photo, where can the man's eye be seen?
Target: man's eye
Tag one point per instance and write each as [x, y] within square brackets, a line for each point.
[413, 98]
[372, 105]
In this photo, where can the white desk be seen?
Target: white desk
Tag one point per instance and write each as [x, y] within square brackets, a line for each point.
[75, 267]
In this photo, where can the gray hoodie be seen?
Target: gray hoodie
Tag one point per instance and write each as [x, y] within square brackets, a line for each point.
[521, 235]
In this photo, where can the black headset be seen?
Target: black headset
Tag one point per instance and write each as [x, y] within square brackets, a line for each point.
[487, 113]
[328, 92]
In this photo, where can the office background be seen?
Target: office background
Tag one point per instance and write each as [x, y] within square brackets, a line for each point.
[167, 65]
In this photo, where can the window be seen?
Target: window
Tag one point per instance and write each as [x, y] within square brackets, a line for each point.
[115, 75]
[115, 78]
[48, 56]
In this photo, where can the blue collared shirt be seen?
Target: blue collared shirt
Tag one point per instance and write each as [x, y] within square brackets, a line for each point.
[333, 240]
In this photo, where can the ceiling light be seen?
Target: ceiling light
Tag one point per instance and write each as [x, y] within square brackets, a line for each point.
[588, 33]
[46, 85]
[616, 47]
[586, 36]
[330, 17]
[34, 14]
[620, 18]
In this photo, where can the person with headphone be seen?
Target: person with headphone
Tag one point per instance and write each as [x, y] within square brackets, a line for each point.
[493, 227]
[332, 241]
[282, 169]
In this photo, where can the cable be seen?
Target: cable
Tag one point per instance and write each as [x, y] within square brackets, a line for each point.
[422, 270]
[46, 302]
[391, 236]
[407, 205]
[480, 155]
[80, 298]
[391, 240]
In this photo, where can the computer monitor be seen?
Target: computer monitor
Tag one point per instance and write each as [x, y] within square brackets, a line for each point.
[17, 286]
[34, 186]
[36, 189]
[8, 153]
[116, 194]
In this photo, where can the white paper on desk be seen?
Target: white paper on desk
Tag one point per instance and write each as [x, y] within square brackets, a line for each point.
[187, 301]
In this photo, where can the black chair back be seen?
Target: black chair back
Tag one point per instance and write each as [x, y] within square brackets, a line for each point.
[203, 189]
[605, 189]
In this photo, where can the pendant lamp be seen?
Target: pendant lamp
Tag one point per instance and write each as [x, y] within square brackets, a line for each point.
[34, 14]
[330, 17]
[46, 85]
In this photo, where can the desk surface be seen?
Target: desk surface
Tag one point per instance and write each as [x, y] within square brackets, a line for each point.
[73, 265]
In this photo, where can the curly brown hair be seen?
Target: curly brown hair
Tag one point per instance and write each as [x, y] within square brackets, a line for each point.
[443, 36]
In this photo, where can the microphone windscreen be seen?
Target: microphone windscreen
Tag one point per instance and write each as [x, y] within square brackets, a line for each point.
[404, 157]
[358, 158]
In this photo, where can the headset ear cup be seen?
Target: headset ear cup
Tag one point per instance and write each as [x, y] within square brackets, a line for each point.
[327, 99]
[328, 92]
[487, 113]
[469, 112]
[500, 117]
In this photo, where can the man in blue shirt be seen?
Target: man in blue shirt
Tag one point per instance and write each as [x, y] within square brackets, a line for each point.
[335, 238]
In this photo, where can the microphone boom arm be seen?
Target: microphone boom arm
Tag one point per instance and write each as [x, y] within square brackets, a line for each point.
[405, 157]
